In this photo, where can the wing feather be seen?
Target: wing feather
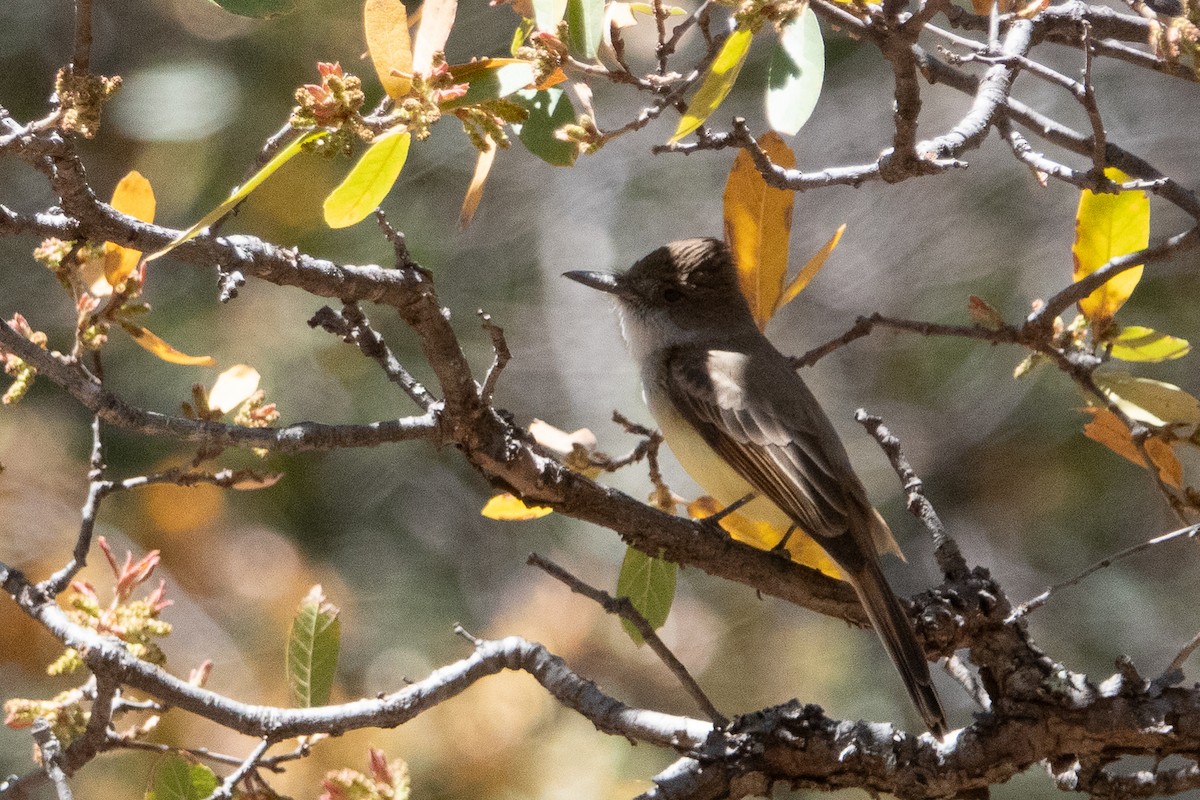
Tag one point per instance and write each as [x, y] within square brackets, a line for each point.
[786, 450]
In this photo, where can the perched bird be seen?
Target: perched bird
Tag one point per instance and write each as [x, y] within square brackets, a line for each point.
[741, 421]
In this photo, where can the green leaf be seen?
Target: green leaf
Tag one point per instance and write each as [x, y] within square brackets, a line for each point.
[1149, 401]
[368, 181]
[1138, 343]
[312, 650]
[649, 583]
[549, 110]
[259, 9]
[520, 35]
[240, 193]
[548, 13]
[719, 79]
[796, 73]
[585, 27]
[490, 79]
[176, 778]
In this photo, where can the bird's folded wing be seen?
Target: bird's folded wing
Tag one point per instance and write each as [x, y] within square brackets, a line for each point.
[778, 440]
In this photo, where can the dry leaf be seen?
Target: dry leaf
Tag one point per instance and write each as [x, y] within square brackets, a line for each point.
[483, 165]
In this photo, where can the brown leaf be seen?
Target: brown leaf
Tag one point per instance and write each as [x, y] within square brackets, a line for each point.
[1106, 428]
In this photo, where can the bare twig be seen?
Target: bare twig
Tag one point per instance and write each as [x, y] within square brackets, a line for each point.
[945, 549]
[1034, 603]
[1184, 654]
[501, 356]
[1099, 139]
[622, 607]
[82, 54]
[353, 326]
[52, 757]
[227, 787]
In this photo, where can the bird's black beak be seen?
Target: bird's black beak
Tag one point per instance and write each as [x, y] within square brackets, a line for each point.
[604, 281]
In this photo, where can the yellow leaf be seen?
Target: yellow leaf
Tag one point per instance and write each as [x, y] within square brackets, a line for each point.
[717, 82]
[810, 270]
[437, 18]
[509, 508]
[1108, 226]
[758, 222]
[1148, 401]
[385, 23]
[1107, 429]
[233, 387]
[764, 536]
[134, 197]
[163, 350]
[483, 165]
[240, 193]
[368, 181]
[1138, 343]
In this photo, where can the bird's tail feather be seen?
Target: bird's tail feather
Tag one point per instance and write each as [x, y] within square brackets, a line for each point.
[892, 624]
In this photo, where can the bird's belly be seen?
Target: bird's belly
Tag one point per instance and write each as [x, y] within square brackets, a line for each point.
[713, 473]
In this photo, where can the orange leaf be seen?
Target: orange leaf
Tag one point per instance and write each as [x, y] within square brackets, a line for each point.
[810, 270]
[758, 222]
[134, 197]
[764, 536]
[1107, 429]
[437, 18]
[507, 507]
[483, 165]
[163, 350]
[386, 25]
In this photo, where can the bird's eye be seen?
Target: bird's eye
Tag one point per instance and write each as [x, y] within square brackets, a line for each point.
[672, 295]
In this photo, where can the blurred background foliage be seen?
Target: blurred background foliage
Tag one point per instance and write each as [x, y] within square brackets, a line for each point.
[394, 533]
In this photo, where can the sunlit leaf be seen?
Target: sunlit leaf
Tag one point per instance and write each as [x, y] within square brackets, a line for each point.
[163, 350]
[240, 193]
[437, 18]
[483, 165]
[368, 181]
[312, 650]
[1137, 343]
[810, 270]
[132, 196]
[511, 509]
[176, 778]
[1149, 401]
[549, 110]
[259, 9]
[717, 82]
[796, 73]
[385, 23]
[758, 222]
[489, 79]
[765, 536]
[649, 583]
[1106, 428]
[548, 13]
[648, 9]
[233, 387]
[1108, 226]
[585, 27]
[520, 35]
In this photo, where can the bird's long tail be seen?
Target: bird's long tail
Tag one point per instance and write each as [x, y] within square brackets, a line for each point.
[891, 623]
